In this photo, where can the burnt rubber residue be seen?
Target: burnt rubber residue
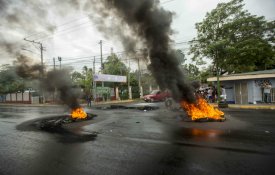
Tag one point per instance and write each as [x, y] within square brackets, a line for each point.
[66, 129]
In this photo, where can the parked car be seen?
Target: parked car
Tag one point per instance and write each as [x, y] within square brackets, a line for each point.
[156, 95]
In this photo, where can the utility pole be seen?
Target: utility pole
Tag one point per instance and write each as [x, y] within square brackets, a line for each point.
[53, 63]
[101, 60]
[129, 87]
[94, 82]
[42, 64]
[218, 82]
[54, 87]
[59, 59]
[41, 54]
[139, 81]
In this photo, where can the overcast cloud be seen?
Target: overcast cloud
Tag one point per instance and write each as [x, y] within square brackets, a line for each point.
[66, 30]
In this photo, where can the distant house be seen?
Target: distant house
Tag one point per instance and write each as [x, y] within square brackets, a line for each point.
[247, 88]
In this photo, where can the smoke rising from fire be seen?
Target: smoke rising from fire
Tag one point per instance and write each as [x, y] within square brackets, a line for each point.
[59, 80]
[136, 23]
[143, 23]
[29, 18]
[33, 17]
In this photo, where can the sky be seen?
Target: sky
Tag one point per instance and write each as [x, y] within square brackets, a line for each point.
[67, 32]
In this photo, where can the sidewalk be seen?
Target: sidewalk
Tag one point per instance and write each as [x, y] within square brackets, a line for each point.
[83, 104]
[113, 102]
[236, 106]
[249, 106]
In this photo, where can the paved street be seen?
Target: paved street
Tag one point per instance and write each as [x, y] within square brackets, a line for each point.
[137, 141]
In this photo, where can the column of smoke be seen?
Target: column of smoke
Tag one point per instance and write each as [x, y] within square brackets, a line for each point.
[35, 20]
[56, 79]
[143, 23]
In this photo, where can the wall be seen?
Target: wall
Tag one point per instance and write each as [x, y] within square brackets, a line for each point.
[250, 91]
[254, 91]
[19, 98]
[257, 93]
[229, 90]
[257, 90]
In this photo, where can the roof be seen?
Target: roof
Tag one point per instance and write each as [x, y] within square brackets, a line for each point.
[245, 76]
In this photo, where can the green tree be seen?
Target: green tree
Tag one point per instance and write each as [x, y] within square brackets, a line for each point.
[206, 73]
[77, 79]
[9, 81]
[181, 56]
[114, 66]
[87, 80]
[147, 80]
[84, 79]
[234, 40]
[192, 71]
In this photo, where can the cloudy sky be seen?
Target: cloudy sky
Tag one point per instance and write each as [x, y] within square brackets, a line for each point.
[66, 31]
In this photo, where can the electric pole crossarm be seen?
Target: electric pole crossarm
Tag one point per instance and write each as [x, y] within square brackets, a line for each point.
[41, 48]
[42, 65]
[32, 41]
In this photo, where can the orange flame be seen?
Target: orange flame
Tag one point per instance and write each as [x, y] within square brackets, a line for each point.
[79, 113]
[201, 110]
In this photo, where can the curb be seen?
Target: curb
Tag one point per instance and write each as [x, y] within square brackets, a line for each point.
[53, 105]
[247, 106]
[112, 102]
[252, 107]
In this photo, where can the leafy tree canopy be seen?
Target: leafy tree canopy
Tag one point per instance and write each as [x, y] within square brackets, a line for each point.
[235, 40]
[84, 79]
[9, 81]
[114, 66]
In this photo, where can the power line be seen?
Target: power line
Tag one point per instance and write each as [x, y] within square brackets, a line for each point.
[62, 31]
[77, 19]
[164, 2]
[107, 54]
[66, 23]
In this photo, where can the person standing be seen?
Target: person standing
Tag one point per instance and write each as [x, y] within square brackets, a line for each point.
[267, 90]
[210, 93]
[223, 94]
[89, 100]
[214, 94]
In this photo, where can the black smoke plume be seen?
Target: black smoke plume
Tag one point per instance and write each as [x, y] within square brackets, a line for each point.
[143, 23]
[32, 19]
[26, 68]
[59, 80]
[29, 19]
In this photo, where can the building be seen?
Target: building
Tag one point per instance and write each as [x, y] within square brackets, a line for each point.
[247, 88]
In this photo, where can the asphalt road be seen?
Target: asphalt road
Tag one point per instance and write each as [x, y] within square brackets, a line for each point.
[132, 141]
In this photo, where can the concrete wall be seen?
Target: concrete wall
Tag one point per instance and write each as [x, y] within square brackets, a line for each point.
[257, 93]
[18, 98]
[250, 91]
[229, 90]
[35, 100]
[13, 97]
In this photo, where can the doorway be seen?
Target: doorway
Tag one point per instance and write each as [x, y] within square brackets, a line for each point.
[241, 93]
